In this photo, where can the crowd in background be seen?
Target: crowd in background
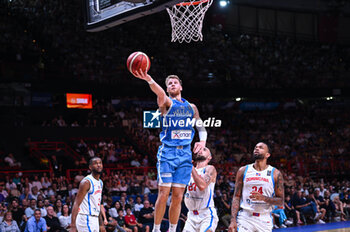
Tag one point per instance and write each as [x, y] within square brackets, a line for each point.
[47, 40]
[307, 200]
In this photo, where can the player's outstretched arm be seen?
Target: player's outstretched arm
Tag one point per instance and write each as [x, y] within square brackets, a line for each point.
[162, 99]
[236, 199]
[278, 199]
[202, 133]
[84, 187]
[209, 176]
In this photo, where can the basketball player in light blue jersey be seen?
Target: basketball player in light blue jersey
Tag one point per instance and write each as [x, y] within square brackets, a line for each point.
[174, 155]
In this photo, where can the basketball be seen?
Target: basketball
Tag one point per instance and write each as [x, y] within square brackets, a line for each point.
[137, 61]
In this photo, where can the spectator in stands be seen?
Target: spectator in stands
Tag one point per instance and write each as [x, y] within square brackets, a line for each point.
[306, 207]
[9, 225]
[65, 218]
[11, 161]
[42, 208]
[53, 224]
[25, 204]
[30, 210]
[329, 206]
[3, 210]
[61, 122]
[17, 212]
[291, 212]
[339, 207]
[135, 163]
[26, 195]
[58, 206]
[131, 221]
[35, 192]
[17, 179]
[10, 184]
[36, 182]
[91, 152]
[45, 182]
[138, 204]
[146, 217]
[283, 222]
[121, 224]
[78, 177]
[224, 206]
[113, 212]
[72, 190]
[131, 203]
[36, 223]
[3, 193]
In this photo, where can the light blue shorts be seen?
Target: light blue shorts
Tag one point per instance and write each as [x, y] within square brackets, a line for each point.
[174, 164]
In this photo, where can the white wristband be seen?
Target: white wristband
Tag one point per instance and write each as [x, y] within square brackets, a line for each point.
[202, 135]
[150, 82]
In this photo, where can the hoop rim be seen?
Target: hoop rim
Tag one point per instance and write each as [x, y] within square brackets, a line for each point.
[192, 3]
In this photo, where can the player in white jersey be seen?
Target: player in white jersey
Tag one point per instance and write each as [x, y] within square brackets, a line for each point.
[87, 205]
[201, 216]
[258, 187]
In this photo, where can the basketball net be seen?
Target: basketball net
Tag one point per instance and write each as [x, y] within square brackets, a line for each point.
[187, 20]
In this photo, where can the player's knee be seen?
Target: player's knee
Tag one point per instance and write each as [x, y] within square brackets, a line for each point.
[176, 197]
[163, 195]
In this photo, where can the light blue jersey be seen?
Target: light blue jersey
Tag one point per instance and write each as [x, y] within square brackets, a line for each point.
[177, 129]
[174, 155]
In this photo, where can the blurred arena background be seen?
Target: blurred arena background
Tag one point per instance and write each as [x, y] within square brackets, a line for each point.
[273, 71]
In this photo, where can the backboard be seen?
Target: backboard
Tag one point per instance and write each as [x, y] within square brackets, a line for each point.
[103, 14]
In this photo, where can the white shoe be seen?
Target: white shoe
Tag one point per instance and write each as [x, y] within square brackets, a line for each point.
[320, 222]
[317, 216]
[275, 227]
[283, 226]
[288, 223]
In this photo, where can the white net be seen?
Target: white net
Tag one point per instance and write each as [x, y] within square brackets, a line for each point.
[187, 20]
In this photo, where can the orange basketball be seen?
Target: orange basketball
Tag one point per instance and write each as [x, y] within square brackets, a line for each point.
[137, 61]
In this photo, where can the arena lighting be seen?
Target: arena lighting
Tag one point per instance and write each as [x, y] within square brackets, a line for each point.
[329, 98]
[223, 3]
[238, 99]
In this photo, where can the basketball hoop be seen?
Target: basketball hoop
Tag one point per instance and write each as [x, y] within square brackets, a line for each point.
[187, 20]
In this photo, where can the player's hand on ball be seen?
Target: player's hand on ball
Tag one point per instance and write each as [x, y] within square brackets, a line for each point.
[198, 146]
[257, 196]
[142, 75]
[232, 227]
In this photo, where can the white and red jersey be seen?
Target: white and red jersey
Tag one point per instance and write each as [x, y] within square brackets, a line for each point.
[196, 199]
[91, 203]
[260, 181]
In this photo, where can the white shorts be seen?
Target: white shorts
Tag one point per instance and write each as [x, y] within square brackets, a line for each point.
[254, 222]
[87, 223]
[201, 220]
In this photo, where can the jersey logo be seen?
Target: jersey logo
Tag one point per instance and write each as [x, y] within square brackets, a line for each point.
[98, 191]
[258, 174]
[181, 134]
[269, 173]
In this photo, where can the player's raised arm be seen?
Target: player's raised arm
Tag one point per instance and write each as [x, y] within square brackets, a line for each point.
[202, 132]
[162, 99]
[209, 176]
[236, 199]
[84, 187]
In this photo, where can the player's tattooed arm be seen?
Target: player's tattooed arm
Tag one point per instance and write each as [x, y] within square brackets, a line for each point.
[237, 194]
[209, 176]
[278, 199]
